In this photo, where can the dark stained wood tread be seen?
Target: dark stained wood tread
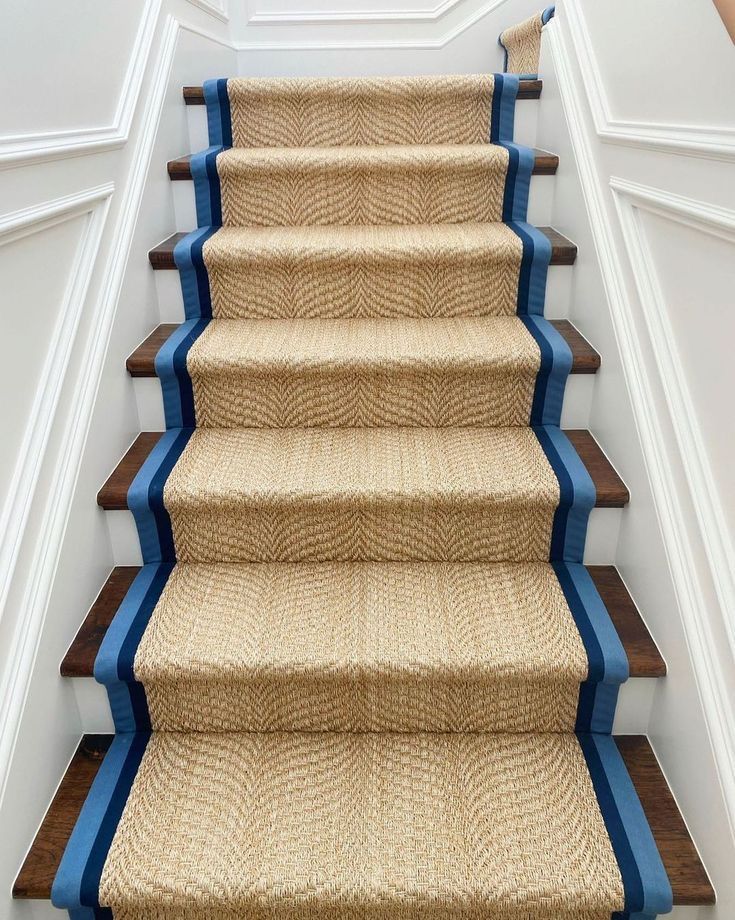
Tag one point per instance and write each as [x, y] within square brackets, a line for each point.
[141, 363]
[688, 877]
[611, 490]
[545, 164]
[644, 658]
[563, 251]
[528, 89]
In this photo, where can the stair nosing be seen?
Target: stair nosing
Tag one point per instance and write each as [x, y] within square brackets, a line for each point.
[611, 491]
[141, 361]
[644, 657]
[563, 250]
[527, 89]
[689, 880]
[545, 164]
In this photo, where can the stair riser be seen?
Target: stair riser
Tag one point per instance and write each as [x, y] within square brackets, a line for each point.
[575, 414]
[526, 124]
[602, 536]
[171, 304]
[632, 715]
[540, 202]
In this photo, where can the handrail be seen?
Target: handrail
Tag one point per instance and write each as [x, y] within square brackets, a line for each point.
[726, 9]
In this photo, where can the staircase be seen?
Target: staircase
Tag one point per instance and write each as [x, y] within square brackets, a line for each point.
[363, 670]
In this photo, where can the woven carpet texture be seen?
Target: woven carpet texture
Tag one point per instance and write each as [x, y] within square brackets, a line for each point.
[363, 673]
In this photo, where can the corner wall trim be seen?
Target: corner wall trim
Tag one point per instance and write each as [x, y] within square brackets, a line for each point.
[711, 142]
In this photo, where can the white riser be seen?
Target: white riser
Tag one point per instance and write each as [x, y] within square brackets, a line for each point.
[526, 124]
[575, 414]
[558, 294]
[540, 203]
[631, 718]
[602, 536]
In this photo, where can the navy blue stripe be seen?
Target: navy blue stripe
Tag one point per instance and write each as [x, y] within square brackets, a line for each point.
[202, 275]
[126, 657]
[495, 109]
[544, 373]
[225, 115]
[90, 884]
[632, 882]
[181, 370]
[524, 275]
[215, 194]
[595, 656]
[510, 183]
[155, 497]
[566, 494]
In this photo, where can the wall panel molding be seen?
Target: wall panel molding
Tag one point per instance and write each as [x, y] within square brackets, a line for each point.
[712, 142]
[452, 31]
[21, 149]
[26, 629]
[92, 204]
[386, 13]
[686, 538]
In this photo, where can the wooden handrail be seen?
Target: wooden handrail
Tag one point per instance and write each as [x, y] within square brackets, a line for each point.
[726, 9]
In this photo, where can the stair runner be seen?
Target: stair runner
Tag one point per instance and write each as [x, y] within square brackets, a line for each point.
[363, 673]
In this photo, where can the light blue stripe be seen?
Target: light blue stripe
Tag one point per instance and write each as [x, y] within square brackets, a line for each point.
[584, 495]
[108, 656]
[203, 185]
[214, 115]
[509, 92]
[166, 372]
[658, 897]
[138, 503]
[558, 374]
[522, 183]
[189, 273]
[66, 889]
[617, 669]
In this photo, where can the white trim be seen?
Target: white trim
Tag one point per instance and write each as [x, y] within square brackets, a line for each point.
[219, 9]
[676, 530]
[27, 631]
[19, 149]
[94, 203]
[712, 141]
[346, 44]
[387, 14]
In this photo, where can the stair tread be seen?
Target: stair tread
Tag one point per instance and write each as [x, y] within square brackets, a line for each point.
[688, 877]
[545, 163]
[285, 239]
[611, 491]
[300, 343]
[528, 89]
[644, 657]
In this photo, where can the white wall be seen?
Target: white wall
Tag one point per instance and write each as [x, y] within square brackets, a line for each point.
[94, 114]
[645, 187]
[362, 37]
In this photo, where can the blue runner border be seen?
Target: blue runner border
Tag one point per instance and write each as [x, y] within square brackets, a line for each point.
[115, 661]
[577, 495]
[646, 885]
[145, 497]
[77, 882]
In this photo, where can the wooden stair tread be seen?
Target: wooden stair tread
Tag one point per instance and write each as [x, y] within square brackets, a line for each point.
[545, 164]
[563, 251]
[611, 490]
[141, 363]
[643, 655]
[528, 89]
[689, 880]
